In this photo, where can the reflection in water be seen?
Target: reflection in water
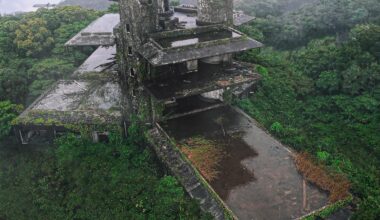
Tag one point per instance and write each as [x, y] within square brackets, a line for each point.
[231, 171]
[213, 125]
[275, 190]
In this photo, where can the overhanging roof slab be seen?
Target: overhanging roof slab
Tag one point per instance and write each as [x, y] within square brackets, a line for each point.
[193, 47]
[202, 81]
[98, 33]
[75, 102]
[240, 18]
[96, 62]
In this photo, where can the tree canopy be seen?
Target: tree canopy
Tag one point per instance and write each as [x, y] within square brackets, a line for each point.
[32, 50]
[320, 91]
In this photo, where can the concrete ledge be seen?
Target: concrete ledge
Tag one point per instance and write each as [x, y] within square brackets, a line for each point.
[195, 186]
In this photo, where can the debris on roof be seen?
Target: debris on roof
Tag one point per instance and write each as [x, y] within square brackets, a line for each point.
[97, 62]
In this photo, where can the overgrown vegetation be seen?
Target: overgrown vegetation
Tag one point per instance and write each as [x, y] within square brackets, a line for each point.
[82, 180]
[32, 52]
[336, 184]
[73, 178]
[8, 112]
[320, 91]
[206, 156]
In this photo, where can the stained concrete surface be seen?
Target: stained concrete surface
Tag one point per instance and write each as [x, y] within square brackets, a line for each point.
[99, 32]
[258, 179]
[93, 63]
[72, 95]
[186, 20]
[104, 24]
[192, 39]
[189, 19]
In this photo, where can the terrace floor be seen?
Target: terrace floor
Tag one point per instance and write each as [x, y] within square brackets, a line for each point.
[257, 176]
[208, 78]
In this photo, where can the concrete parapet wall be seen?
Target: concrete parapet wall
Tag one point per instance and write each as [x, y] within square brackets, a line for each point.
[194, 184]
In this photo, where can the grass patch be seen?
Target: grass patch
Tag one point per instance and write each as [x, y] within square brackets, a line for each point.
[205, 154]
[336, 184]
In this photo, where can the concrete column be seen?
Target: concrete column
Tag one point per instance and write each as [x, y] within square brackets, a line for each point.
[166, 5]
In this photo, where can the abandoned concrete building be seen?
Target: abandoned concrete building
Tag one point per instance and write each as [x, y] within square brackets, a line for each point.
[169, 60]
[174, 68]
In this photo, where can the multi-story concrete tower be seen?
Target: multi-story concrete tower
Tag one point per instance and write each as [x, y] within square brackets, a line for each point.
[168, 56]
[170, 60]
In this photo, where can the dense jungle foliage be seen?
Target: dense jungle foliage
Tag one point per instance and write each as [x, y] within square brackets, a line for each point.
[320, 91]
[82, 180]
[32, 52]
[74, 178]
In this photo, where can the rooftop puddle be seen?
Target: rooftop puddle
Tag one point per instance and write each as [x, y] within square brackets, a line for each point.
[256, 175]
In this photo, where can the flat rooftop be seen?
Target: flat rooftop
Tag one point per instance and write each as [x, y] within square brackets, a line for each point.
[76, 102]
[97, 61]
[207, 79]
[186, 19]
[192, 39]
[98, 33]
[178, 46]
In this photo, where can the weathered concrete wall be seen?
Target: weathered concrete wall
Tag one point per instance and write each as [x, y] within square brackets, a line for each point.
[185, 173]
[138, 18]
[215, 11]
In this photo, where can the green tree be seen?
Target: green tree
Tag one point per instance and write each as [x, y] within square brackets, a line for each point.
[8, 112]
[113, 8]
[328, 82]
[33, 37]
[83, 180]
[50, 68]
[368, 37]
[7, 35]
[13, 85]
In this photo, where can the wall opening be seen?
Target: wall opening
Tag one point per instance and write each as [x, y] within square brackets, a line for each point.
[130, 51]
[101, 137]
[128, 28]
[132, 72]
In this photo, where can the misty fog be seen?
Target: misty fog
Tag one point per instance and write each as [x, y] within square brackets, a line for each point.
[12, 6]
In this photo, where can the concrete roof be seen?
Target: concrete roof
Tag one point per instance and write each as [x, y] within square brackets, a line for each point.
[94, 62]
[98, 33]
[186, 20]
[158, 55]
[76, 102]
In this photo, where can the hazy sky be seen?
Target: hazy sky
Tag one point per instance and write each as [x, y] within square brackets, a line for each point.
[10, 6]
